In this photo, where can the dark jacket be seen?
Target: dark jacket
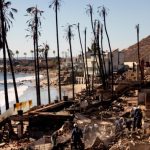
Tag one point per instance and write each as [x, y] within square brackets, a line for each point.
[138, 114]
[76, 134]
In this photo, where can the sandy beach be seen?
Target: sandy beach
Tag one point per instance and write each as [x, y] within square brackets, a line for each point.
[66, 89]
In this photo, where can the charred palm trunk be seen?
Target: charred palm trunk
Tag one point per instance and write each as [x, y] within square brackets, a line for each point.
[98, 54]
[93, 30]
[46, 58]
[104, 65]
[59, 78]
[4, 55]
[38, 74]
[93, 73]
[138, 47]
[35, 68]
[73, 76]
[93, 64]
[82, 55]
[100, 58]
[13, 74]
[87, 64]
[111, 61]
[95, 50]
[37, 59]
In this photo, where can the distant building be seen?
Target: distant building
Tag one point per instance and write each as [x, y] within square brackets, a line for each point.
[118, 60]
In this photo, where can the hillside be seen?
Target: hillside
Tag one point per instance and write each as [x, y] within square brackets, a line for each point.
[131, 52]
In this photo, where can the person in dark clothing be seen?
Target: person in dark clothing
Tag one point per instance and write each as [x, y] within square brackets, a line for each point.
[132, 114]
[138, 118]
[77, 136]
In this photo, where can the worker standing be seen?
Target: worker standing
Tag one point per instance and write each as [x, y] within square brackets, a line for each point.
[138, 118]
[77, 135]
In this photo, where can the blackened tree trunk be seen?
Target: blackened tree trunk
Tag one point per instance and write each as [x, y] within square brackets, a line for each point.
[86, 63]
[138, 48]
[34, 23]
[111, 56]
[46, 58]
[93, 49]
[58, 52]
[82, 55]
[104, 65]
[93, 64]
[13, 74]
[35, 70]
[100, 58]
[4, 54]
[93, 74]
[37, 59]
[90, 11]
[72, 67]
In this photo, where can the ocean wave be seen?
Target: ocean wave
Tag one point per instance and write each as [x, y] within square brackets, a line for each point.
[11, 94]
[21, 79]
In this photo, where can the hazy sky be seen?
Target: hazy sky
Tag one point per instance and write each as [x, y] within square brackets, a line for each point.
[122, 17]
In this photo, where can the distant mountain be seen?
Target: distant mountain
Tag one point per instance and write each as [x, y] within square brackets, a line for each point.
[131, 53]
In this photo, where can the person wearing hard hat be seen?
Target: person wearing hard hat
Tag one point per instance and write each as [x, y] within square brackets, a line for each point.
[77, 135]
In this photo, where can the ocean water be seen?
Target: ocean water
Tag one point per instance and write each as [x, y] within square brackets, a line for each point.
[26, 90]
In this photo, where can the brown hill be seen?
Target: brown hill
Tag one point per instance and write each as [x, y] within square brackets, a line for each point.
[131, 53]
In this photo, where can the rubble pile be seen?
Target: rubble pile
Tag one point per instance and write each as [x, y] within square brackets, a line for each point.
[97, 145]
[98, 119]
[131, 144]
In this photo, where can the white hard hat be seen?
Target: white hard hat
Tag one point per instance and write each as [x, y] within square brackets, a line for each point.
[75, 125]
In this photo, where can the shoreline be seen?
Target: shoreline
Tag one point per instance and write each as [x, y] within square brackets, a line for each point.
[65, 89]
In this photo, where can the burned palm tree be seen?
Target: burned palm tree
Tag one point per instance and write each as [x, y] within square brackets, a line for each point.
[103, 51]
[94, 45]
[90, 12]
[56, 5]
[12, 71]
[138, 49]
[82, 52]
[34, 25]
[103, 12]
[87, 70]
[44, 50]
[94, 49]
[69, 38]
[6, 14]
[99, 51]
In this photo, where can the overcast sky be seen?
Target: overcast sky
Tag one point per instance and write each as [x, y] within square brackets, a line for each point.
[122, 17]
